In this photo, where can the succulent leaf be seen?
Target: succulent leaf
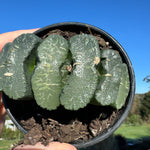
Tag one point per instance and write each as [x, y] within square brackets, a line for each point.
[113, 86]
[81, 85]
[123, 88]
[109, 59]
[3, 58]
[18, 69]
[108, 87]
[46, 80]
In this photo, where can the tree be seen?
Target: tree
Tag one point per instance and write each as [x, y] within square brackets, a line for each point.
[145, 107]
[147, 78]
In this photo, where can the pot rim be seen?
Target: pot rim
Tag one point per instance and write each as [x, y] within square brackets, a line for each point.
[110, 130]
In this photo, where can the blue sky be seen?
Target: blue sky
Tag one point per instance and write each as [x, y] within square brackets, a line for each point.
[128, 21]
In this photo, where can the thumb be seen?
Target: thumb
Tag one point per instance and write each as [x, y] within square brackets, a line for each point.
[10, 36]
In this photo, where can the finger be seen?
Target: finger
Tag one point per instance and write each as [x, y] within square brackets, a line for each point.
[59, 146]
[50, 146]
[10, 36]
[2, 109]
[38, 146]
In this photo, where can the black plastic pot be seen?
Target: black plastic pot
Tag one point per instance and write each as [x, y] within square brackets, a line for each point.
[17, 109]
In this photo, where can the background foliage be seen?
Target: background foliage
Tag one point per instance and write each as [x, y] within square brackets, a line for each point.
[140, 111]
[9, 134]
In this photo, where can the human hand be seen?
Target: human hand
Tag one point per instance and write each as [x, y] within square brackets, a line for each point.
[9, 37]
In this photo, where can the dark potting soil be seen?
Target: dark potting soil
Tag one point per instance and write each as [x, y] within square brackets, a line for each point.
[64, 125]
[68, 126]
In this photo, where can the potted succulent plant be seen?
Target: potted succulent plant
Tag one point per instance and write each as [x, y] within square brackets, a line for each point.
[70, 82]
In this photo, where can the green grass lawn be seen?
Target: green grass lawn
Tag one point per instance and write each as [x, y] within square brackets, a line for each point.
[134, 132]
[6, 144]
